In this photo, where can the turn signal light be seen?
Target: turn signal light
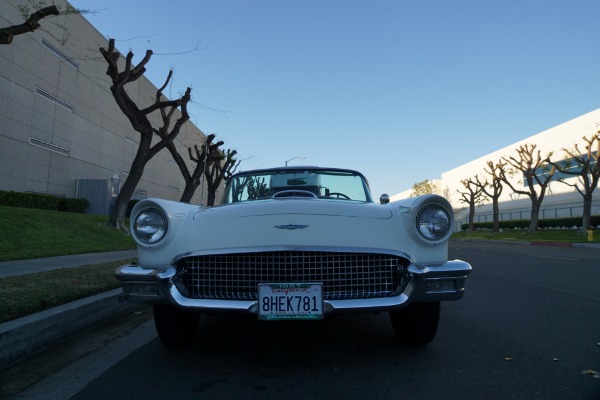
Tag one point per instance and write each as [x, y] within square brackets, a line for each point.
[441, 285]
[143, 290]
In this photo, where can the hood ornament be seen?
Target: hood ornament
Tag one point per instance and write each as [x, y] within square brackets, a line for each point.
[291, 226]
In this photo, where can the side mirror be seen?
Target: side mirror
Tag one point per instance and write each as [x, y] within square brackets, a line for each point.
[384, 199]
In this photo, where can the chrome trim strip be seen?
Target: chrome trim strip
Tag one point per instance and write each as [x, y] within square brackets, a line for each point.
[137, 273]
[212, 305]
[263, 249]
[291, 226]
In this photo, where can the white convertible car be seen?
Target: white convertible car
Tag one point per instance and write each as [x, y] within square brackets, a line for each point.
[294, 243]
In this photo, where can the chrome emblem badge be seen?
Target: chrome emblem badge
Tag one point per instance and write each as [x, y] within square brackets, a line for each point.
[291, 226]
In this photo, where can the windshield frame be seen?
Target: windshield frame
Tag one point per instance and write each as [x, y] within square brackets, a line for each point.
[299, 169]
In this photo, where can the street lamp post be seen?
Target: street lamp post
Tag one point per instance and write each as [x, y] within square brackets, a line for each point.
[294, 158]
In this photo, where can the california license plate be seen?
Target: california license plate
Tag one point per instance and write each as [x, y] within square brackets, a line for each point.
[280, 301]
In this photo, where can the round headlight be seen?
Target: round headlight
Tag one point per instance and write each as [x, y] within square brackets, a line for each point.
[150, 226]
[433, 223]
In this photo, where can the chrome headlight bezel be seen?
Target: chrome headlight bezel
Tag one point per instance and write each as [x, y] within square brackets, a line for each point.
[150, 226]
[434, 223]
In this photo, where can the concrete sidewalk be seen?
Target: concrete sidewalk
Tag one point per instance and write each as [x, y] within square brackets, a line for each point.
[22, 267]
[24, 337]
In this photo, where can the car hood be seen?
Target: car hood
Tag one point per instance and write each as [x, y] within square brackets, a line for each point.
[288, 224]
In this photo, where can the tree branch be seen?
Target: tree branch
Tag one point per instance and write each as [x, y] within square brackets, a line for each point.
[30, 25]
[162, 105]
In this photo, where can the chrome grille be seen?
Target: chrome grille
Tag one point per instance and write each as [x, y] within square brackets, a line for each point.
[344, 275]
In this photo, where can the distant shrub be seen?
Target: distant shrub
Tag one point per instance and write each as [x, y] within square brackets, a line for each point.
[554, 223]
[42, 202]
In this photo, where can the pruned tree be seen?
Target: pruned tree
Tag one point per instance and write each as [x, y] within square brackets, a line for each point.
[492, 188]
[472, 196]
[220, 167]
[424, 187]
[31, 24]
[583, 164]
[199, 157]
[537, 172]
[139, 119]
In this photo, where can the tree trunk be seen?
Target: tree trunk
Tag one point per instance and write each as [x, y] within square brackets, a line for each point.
[117, 216]
[472, 217]
[535, 214]
[496, 214]
[210, 200]
[587, 211]
[190, 189]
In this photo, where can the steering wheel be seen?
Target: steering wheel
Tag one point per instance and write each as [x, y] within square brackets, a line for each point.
[338, 195]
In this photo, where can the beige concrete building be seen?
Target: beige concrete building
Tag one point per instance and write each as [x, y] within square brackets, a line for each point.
[61, 131]
[561, 199]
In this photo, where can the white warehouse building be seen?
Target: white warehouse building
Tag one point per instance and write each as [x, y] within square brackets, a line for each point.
[561, 200]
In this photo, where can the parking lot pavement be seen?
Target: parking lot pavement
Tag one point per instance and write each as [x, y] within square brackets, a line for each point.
[29, 335]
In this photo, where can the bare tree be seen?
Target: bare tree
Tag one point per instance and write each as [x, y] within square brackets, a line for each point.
[140, 122]
[424, 187]
[584, 165]
[221, 166]
[199, 156]
[472, 196]
[31, 24]
[536, 171]
[493, 189]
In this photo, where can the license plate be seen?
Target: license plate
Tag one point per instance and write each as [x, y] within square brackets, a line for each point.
[279, 301]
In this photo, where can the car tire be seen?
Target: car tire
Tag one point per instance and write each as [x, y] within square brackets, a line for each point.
[175, 328]
[416, 324]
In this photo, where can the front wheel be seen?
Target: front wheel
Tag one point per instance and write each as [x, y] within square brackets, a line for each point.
[175, 328]
[417, 323]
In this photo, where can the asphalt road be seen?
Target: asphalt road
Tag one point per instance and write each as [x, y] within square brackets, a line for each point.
[527, 328]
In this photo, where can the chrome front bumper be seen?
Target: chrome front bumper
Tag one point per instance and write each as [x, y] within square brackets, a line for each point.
[428, 283]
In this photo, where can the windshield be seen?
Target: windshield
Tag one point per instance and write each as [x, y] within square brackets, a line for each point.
[304, 182]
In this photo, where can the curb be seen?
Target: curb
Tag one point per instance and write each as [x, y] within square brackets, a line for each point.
[27, 336]
[552, 244]
[587, 245]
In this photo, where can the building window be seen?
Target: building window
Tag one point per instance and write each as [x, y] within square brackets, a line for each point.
[570, 164]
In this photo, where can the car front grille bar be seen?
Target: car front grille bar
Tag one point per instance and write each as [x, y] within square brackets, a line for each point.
[343, 275]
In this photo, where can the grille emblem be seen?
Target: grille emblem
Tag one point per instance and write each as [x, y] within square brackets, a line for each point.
[290, 226]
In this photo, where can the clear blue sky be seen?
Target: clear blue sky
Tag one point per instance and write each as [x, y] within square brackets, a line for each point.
[400, 90]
